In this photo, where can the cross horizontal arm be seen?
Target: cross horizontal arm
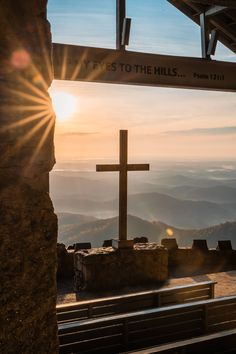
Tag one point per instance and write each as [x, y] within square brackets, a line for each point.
[138, 167]
[107, 168]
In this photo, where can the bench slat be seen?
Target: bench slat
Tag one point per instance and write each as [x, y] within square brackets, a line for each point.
[91, 344]
[163, 320]
[91, 334]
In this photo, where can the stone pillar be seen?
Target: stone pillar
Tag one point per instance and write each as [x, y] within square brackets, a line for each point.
[28, 225]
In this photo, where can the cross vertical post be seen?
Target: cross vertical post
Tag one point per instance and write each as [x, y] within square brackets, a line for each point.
[123, 185]
[123, 169]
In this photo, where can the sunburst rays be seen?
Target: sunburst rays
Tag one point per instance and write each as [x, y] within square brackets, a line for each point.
[34, 119]
[27, 115]
[65, 70]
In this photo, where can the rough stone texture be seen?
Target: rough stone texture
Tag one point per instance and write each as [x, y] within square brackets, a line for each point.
[106, 268]
[169, 243]
[65, 259]
[28, 228]
[188, 261]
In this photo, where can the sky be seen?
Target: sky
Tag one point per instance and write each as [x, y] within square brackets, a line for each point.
[163, 123]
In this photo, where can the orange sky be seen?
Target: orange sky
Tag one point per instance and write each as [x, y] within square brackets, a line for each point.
[162, 122]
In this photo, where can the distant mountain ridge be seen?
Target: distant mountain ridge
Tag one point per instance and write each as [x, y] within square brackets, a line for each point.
[153, 207]
[215, 194]
[99, 230]
[71, 218]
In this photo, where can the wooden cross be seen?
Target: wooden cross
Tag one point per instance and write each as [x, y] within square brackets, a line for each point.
[123, 168]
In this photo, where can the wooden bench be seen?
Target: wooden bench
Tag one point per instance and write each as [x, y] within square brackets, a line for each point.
[142, 329]
[220, 343]
[134, 302]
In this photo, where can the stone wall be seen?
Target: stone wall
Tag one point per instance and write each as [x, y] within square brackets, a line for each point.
[148, 264]
[199, 259]
[28, 228]
[107, 268]
[186, 261]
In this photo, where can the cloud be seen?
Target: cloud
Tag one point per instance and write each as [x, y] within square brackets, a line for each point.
[203, 131]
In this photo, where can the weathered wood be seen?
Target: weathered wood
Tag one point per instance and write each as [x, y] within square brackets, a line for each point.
[133, 302]
[126, 67]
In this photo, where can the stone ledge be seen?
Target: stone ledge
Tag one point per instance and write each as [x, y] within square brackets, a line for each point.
[107, 268]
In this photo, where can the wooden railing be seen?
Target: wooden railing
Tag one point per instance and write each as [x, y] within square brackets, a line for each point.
[134, 302]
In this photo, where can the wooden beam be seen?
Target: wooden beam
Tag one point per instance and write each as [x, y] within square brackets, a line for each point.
[120, 17]
[227, 3]
[126, 67]
[107, 168]
[214, 10]
[138, 167]
[204, 36]
[212, 43]
[193, 10]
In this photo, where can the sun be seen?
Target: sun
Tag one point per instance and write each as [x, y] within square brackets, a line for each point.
[64, 104]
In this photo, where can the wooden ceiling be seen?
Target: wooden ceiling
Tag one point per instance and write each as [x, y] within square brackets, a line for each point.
[220, 15]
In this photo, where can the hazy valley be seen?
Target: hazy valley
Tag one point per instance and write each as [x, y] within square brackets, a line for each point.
[189, 198]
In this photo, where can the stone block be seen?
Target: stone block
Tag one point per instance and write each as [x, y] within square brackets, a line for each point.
[107, 243]
[224, 245]
[170, 243]
[141, 239]
[105, 269]
[200, 245]
[65, 261]
[122, 243]
[82, 246]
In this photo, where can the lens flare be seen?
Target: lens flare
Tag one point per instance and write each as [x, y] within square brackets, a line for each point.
[20, 59]
[64, 104]
[169, 232]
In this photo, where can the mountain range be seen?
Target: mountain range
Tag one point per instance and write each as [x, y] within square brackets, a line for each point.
[155, 207]
[96, 231]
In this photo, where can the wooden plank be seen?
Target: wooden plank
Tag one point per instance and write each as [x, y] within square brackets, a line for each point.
[89, 345]
[124, 67]
[222, 317]
[222, 326]
[229, 305]
[161, 330]
[130, 306]
[185, 296]
[164, 320]
[86, 334]
[188, 290]
[72, 315]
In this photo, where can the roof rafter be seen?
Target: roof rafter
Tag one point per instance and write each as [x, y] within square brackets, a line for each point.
[224, 21]
[228, 3]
